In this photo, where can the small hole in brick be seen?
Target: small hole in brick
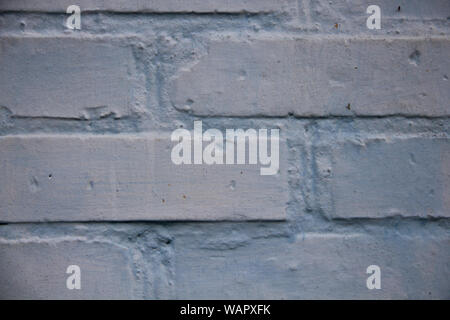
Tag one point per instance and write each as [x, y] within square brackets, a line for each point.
[398, 9]
[50, 176]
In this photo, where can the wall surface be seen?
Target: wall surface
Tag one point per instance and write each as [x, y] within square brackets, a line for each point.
[86, 176]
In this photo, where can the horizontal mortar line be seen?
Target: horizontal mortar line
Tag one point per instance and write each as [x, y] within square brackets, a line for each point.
[337, 222]
[48, 118]
[10, 131]
[218, 117]
[290, 35]
[165, 135]
[59, 239]
[393, 218]
[260, 36]
[156, 134]
[76, 35]
[76, 119]
[212, 13]
[330, 117]
[171, 222]
[190, 13]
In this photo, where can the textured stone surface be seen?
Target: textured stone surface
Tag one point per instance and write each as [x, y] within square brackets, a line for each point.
[350, 15]
[314, 266]
[384, 177]
[90, 178]
[86, 176]
[67, 77]
[318, 77]
[36, 269]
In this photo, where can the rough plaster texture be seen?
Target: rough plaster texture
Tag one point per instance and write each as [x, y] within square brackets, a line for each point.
[86, 177]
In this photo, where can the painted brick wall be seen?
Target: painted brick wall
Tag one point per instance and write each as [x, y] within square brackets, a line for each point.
[85, 171]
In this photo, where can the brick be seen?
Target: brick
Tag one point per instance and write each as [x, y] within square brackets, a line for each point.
[318, 77]
[128, 177]
[67, 77]
[36, 269]
[201, 6]
[313, 266]
[384, 177]
[352, 13]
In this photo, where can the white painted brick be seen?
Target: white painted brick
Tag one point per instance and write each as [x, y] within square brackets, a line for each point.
[352, 13]
[318, 77]
[201, 6]
[67, 77]
[383, 177]
[314, 266]
[88, 177]
[36, 269]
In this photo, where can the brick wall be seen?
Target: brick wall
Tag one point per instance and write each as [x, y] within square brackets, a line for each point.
[86, 177]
